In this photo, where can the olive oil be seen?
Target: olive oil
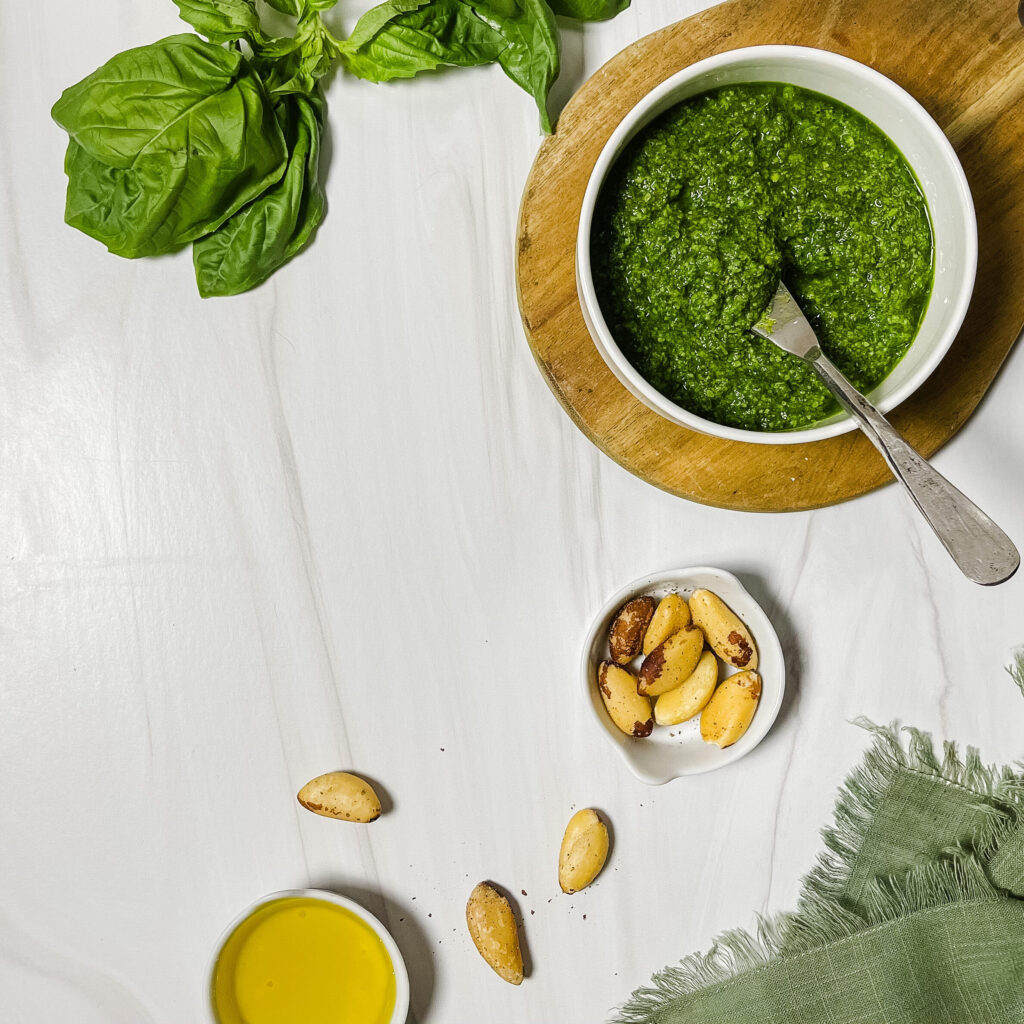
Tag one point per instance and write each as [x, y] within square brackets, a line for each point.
[302, 960]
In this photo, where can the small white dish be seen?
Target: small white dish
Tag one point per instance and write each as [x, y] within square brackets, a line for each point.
[927, 151]
[676, 750]
[401, 1010]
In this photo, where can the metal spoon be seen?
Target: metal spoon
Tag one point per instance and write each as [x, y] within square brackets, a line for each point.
[982, 551]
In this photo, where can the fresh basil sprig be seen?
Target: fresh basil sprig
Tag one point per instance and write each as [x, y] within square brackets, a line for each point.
[295, 64]
[216, 141]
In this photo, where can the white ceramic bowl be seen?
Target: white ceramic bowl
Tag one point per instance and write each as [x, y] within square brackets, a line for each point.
[401, 1011]
[672, 751]
[918, 137]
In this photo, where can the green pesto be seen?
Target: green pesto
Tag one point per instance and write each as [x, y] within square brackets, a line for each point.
[718, 198]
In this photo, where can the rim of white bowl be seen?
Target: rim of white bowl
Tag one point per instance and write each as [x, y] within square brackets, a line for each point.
[634, 120]
[401, 1011]
[766, 638]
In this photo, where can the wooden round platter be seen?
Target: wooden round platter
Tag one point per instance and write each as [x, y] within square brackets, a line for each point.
[964, 62]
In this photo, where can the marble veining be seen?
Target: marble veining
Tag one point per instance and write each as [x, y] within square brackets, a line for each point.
[340, 522]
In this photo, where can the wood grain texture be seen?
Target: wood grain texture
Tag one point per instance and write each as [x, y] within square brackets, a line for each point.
[964, 62]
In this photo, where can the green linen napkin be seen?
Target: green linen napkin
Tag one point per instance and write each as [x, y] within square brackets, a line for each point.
[914, 913]
[1016, 669]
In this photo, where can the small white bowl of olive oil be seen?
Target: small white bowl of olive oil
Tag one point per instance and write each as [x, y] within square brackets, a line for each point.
[311, 956]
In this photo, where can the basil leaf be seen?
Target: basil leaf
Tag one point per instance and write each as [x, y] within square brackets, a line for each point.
[400, 38]
[167, 141]
[587, 10]
[531, 59]
[262, 236]
[297, 8]
[377, 18]
[222, 20]
[293, 7]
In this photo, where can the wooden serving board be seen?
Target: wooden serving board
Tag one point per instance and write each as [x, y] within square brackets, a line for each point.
[964, 61]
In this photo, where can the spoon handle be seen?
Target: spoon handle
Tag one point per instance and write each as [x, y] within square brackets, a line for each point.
[978, 546]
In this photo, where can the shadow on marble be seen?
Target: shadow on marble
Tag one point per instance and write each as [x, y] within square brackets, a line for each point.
[573, 66]
[610, 826]
[765, 596]
[326, 158]
[401, 921]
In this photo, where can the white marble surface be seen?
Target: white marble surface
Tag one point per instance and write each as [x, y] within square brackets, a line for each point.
[341, 522]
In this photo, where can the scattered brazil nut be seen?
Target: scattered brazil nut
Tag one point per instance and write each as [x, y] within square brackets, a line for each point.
[669, 617]
[628, 709]
[727, 715]
[492, 927]
[727, 636]
[583, 852]
[341, 795]
[682, 703]
[671, 662]
[626, 636]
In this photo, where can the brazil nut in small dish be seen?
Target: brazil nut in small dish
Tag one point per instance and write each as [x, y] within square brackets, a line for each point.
[705, 681]
[759, 165]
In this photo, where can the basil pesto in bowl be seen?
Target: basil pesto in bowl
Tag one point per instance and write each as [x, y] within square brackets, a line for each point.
[758, 164]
